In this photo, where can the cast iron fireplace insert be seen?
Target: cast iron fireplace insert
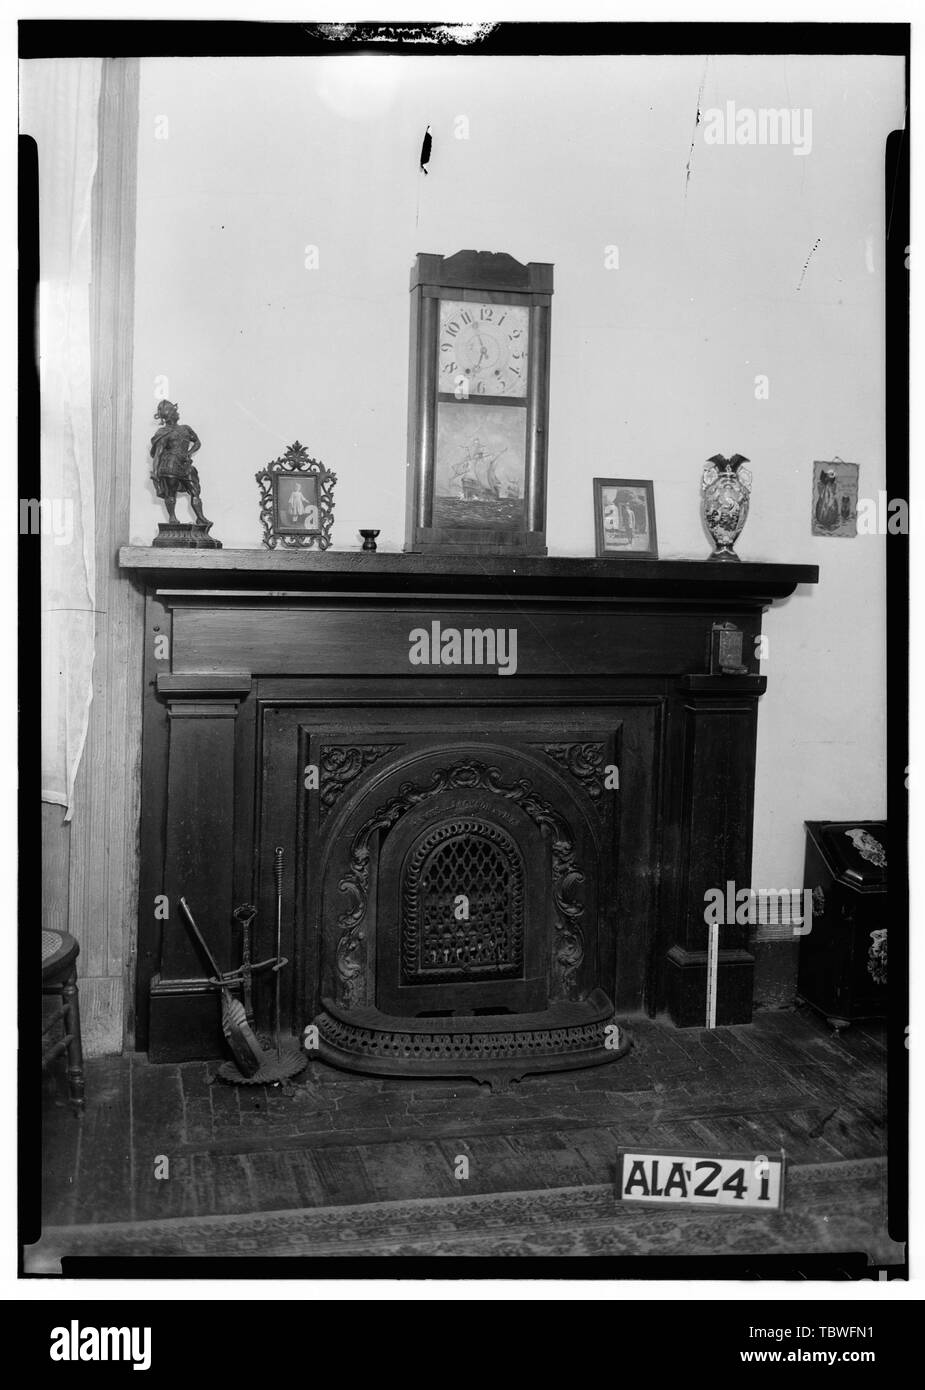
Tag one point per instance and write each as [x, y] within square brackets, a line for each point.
[461, 888]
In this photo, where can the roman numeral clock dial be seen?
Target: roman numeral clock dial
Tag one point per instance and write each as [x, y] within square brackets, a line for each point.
[478, 404]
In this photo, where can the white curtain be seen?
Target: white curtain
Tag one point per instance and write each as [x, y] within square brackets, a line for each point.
[59, 101]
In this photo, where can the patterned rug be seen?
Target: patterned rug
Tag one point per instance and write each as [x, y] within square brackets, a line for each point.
[832, 1207]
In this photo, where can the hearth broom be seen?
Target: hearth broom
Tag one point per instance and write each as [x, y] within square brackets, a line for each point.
[245, 1048]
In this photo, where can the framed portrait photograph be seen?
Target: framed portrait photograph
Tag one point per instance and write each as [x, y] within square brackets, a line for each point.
[296, 501]
[624, 518]
[297, 510]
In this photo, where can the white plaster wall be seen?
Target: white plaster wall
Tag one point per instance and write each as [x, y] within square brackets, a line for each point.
[653, 364]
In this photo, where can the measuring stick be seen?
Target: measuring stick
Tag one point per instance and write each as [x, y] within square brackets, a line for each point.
[278, 870]
[712, 970]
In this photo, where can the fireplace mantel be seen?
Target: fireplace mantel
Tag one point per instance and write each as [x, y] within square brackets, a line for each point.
[261, 664]
[681, 581]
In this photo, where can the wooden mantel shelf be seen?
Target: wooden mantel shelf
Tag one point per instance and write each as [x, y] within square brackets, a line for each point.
[385, 572]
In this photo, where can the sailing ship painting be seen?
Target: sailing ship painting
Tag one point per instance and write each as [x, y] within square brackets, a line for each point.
[479, 467]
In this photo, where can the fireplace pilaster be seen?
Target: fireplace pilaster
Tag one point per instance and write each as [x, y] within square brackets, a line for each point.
[199, 840]
[718, 720]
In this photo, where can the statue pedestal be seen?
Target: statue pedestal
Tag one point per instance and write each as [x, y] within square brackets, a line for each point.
[185, 535]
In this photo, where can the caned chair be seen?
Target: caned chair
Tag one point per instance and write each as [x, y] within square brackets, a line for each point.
[59, 977]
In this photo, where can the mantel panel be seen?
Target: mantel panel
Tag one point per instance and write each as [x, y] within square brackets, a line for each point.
[280, 641]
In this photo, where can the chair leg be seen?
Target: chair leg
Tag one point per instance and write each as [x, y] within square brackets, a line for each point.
[75, 1057]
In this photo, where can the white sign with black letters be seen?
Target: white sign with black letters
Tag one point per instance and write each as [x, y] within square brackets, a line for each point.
[660, 1177]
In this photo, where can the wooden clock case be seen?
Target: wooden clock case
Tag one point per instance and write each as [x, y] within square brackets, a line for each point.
[481, 277]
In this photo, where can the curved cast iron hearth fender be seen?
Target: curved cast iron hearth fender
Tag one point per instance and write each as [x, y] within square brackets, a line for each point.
[497, 1049]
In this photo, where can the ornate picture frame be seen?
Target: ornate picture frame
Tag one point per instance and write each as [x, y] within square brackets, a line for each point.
[296, 501]
[624, 519]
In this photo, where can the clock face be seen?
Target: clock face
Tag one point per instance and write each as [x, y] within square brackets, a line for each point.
[483, 348]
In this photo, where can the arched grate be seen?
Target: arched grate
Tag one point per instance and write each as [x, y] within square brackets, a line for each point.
[463, 905]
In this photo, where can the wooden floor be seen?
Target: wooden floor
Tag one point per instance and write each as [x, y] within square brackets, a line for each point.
[341, 1140]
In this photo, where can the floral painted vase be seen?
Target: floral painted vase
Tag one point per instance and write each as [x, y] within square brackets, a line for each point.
[725, 488]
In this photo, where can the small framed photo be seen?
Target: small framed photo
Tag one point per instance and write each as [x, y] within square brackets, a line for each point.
[297, 510]
[624, 518]
[296, 501]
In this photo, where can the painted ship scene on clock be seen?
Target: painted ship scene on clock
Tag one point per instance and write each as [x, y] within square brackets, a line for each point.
[465, 780]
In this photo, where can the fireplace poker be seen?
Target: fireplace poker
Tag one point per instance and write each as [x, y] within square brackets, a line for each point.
[278, 870]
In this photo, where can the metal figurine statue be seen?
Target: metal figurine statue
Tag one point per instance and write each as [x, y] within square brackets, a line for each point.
[173, 471]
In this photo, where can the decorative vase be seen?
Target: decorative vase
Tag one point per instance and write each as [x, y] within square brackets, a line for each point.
[369, 539]
[725, 489]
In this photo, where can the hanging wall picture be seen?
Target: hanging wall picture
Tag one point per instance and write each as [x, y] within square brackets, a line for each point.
[296, 501]
[835, 498]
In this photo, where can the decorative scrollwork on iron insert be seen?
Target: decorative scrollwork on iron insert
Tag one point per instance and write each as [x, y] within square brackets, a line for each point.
[341, 763]
[568, 950]
[584, 761]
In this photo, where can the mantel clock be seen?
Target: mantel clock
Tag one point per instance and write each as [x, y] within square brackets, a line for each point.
[478, 404]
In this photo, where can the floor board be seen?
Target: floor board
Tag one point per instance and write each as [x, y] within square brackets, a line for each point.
[340, 1140]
